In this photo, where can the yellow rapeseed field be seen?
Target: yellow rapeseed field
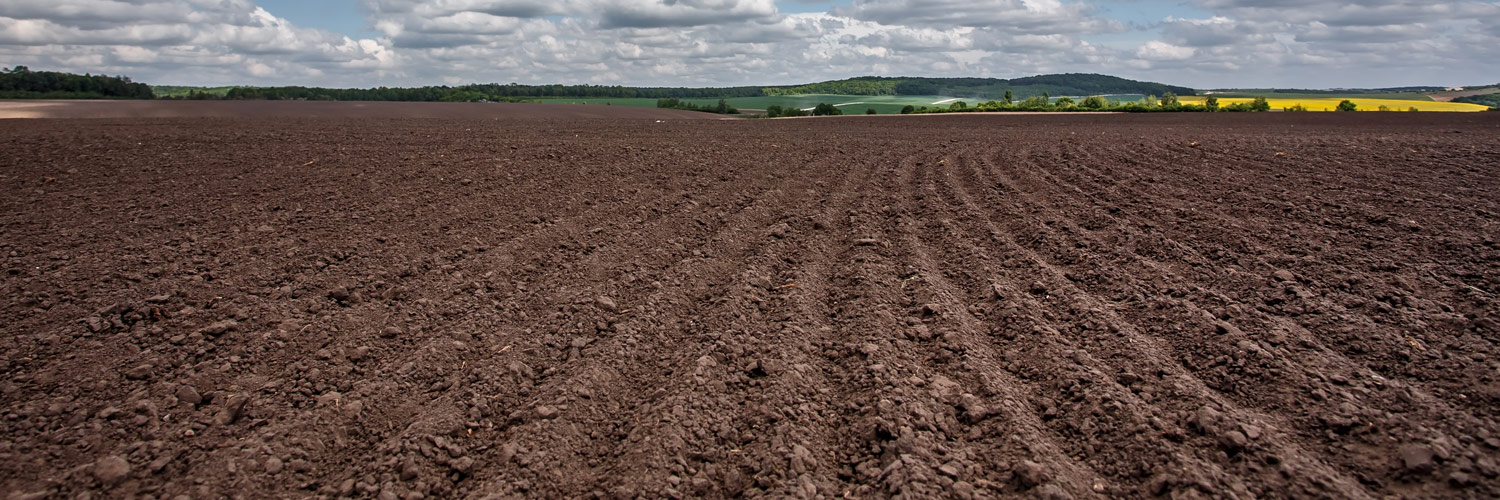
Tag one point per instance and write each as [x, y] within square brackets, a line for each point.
[1330, 103]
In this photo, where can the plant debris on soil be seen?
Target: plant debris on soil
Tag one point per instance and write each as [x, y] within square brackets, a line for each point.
[546, 305]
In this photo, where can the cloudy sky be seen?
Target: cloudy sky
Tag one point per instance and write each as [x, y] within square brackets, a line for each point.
[362, 43]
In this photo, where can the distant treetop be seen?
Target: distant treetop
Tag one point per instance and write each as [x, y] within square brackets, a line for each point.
[21, 82]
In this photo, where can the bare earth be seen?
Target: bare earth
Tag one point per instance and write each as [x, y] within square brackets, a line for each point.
[323, 109]
[459, 301]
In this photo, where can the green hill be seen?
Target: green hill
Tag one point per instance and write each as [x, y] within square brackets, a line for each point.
[1069, 84]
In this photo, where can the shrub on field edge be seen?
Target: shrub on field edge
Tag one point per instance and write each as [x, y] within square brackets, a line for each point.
[1260, 104]
[825, 109]
[722, 107]
[908, 109]
[1347, 105]
[776, 111]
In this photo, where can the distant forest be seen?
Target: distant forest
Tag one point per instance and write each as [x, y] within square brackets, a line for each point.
[21, 82]
[1491, 100]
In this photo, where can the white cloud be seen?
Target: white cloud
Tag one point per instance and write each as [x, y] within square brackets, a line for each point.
[1157, 50]
[1022, 16]
[753, 42]
[166, 41]
[1327, 43]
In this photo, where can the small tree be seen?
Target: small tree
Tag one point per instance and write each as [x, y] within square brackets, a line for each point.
[1169, 100]
[1412, 109]
[908, 109]
[1212, 103]
[1094, 102]
[724, 108]
[869, 111]
[958, 105]
[1065, 102]
[1260, 104]
[1009, 97]
[773, 111]
[825, 109]
[1347, 105]
[1384, 108]
[1035, 103]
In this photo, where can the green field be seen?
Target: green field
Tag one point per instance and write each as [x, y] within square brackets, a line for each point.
[850, 104]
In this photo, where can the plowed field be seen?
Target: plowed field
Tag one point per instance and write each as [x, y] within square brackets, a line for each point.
[1115, 306]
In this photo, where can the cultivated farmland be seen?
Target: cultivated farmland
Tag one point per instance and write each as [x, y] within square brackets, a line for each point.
[471, 301]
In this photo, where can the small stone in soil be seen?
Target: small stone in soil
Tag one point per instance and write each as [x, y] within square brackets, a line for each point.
[1030, 474]
[220, 328]
[111, 470]
[1233, 440]
[187, 394]
[1416, 458]
[409, 470]
[232, 409]
[138, 372]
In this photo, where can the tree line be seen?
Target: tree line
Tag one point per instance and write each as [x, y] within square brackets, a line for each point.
[21, 82]
[1491, 100]
[722, 107]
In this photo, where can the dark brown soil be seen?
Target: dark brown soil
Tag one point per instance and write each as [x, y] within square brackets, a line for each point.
[1133, 306]
[326, 109]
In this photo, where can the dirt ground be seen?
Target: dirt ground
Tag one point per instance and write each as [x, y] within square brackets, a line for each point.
[1113, 306]
[324, 109]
